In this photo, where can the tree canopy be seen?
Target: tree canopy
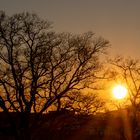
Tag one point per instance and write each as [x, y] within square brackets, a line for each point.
[38, 66]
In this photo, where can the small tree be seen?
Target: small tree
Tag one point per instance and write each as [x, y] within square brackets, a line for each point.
[38, 67]
[83, 103]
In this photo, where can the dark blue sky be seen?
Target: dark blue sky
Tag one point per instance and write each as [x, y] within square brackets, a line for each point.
[116, 20]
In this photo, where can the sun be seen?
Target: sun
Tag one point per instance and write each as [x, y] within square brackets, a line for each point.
[119, 91]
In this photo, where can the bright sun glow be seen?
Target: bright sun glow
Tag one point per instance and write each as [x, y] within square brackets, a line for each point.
[119, 92]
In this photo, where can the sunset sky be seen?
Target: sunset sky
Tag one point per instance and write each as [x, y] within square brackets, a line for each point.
[115, 20]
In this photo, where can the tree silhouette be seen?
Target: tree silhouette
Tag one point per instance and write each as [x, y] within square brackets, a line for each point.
[129, 71]
[82, 103]
[38, 66]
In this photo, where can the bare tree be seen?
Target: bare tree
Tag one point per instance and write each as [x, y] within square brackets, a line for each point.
[38, 66]
[82, 103]
[128, 70]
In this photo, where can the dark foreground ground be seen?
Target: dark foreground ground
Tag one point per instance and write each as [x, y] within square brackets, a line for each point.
[67, 126]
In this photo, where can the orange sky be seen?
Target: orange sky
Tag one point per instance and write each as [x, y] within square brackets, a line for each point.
[116, 20]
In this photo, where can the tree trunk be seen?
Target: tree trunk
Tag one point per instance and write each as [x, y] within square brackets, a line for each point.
[24, 128]
[58, 104]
